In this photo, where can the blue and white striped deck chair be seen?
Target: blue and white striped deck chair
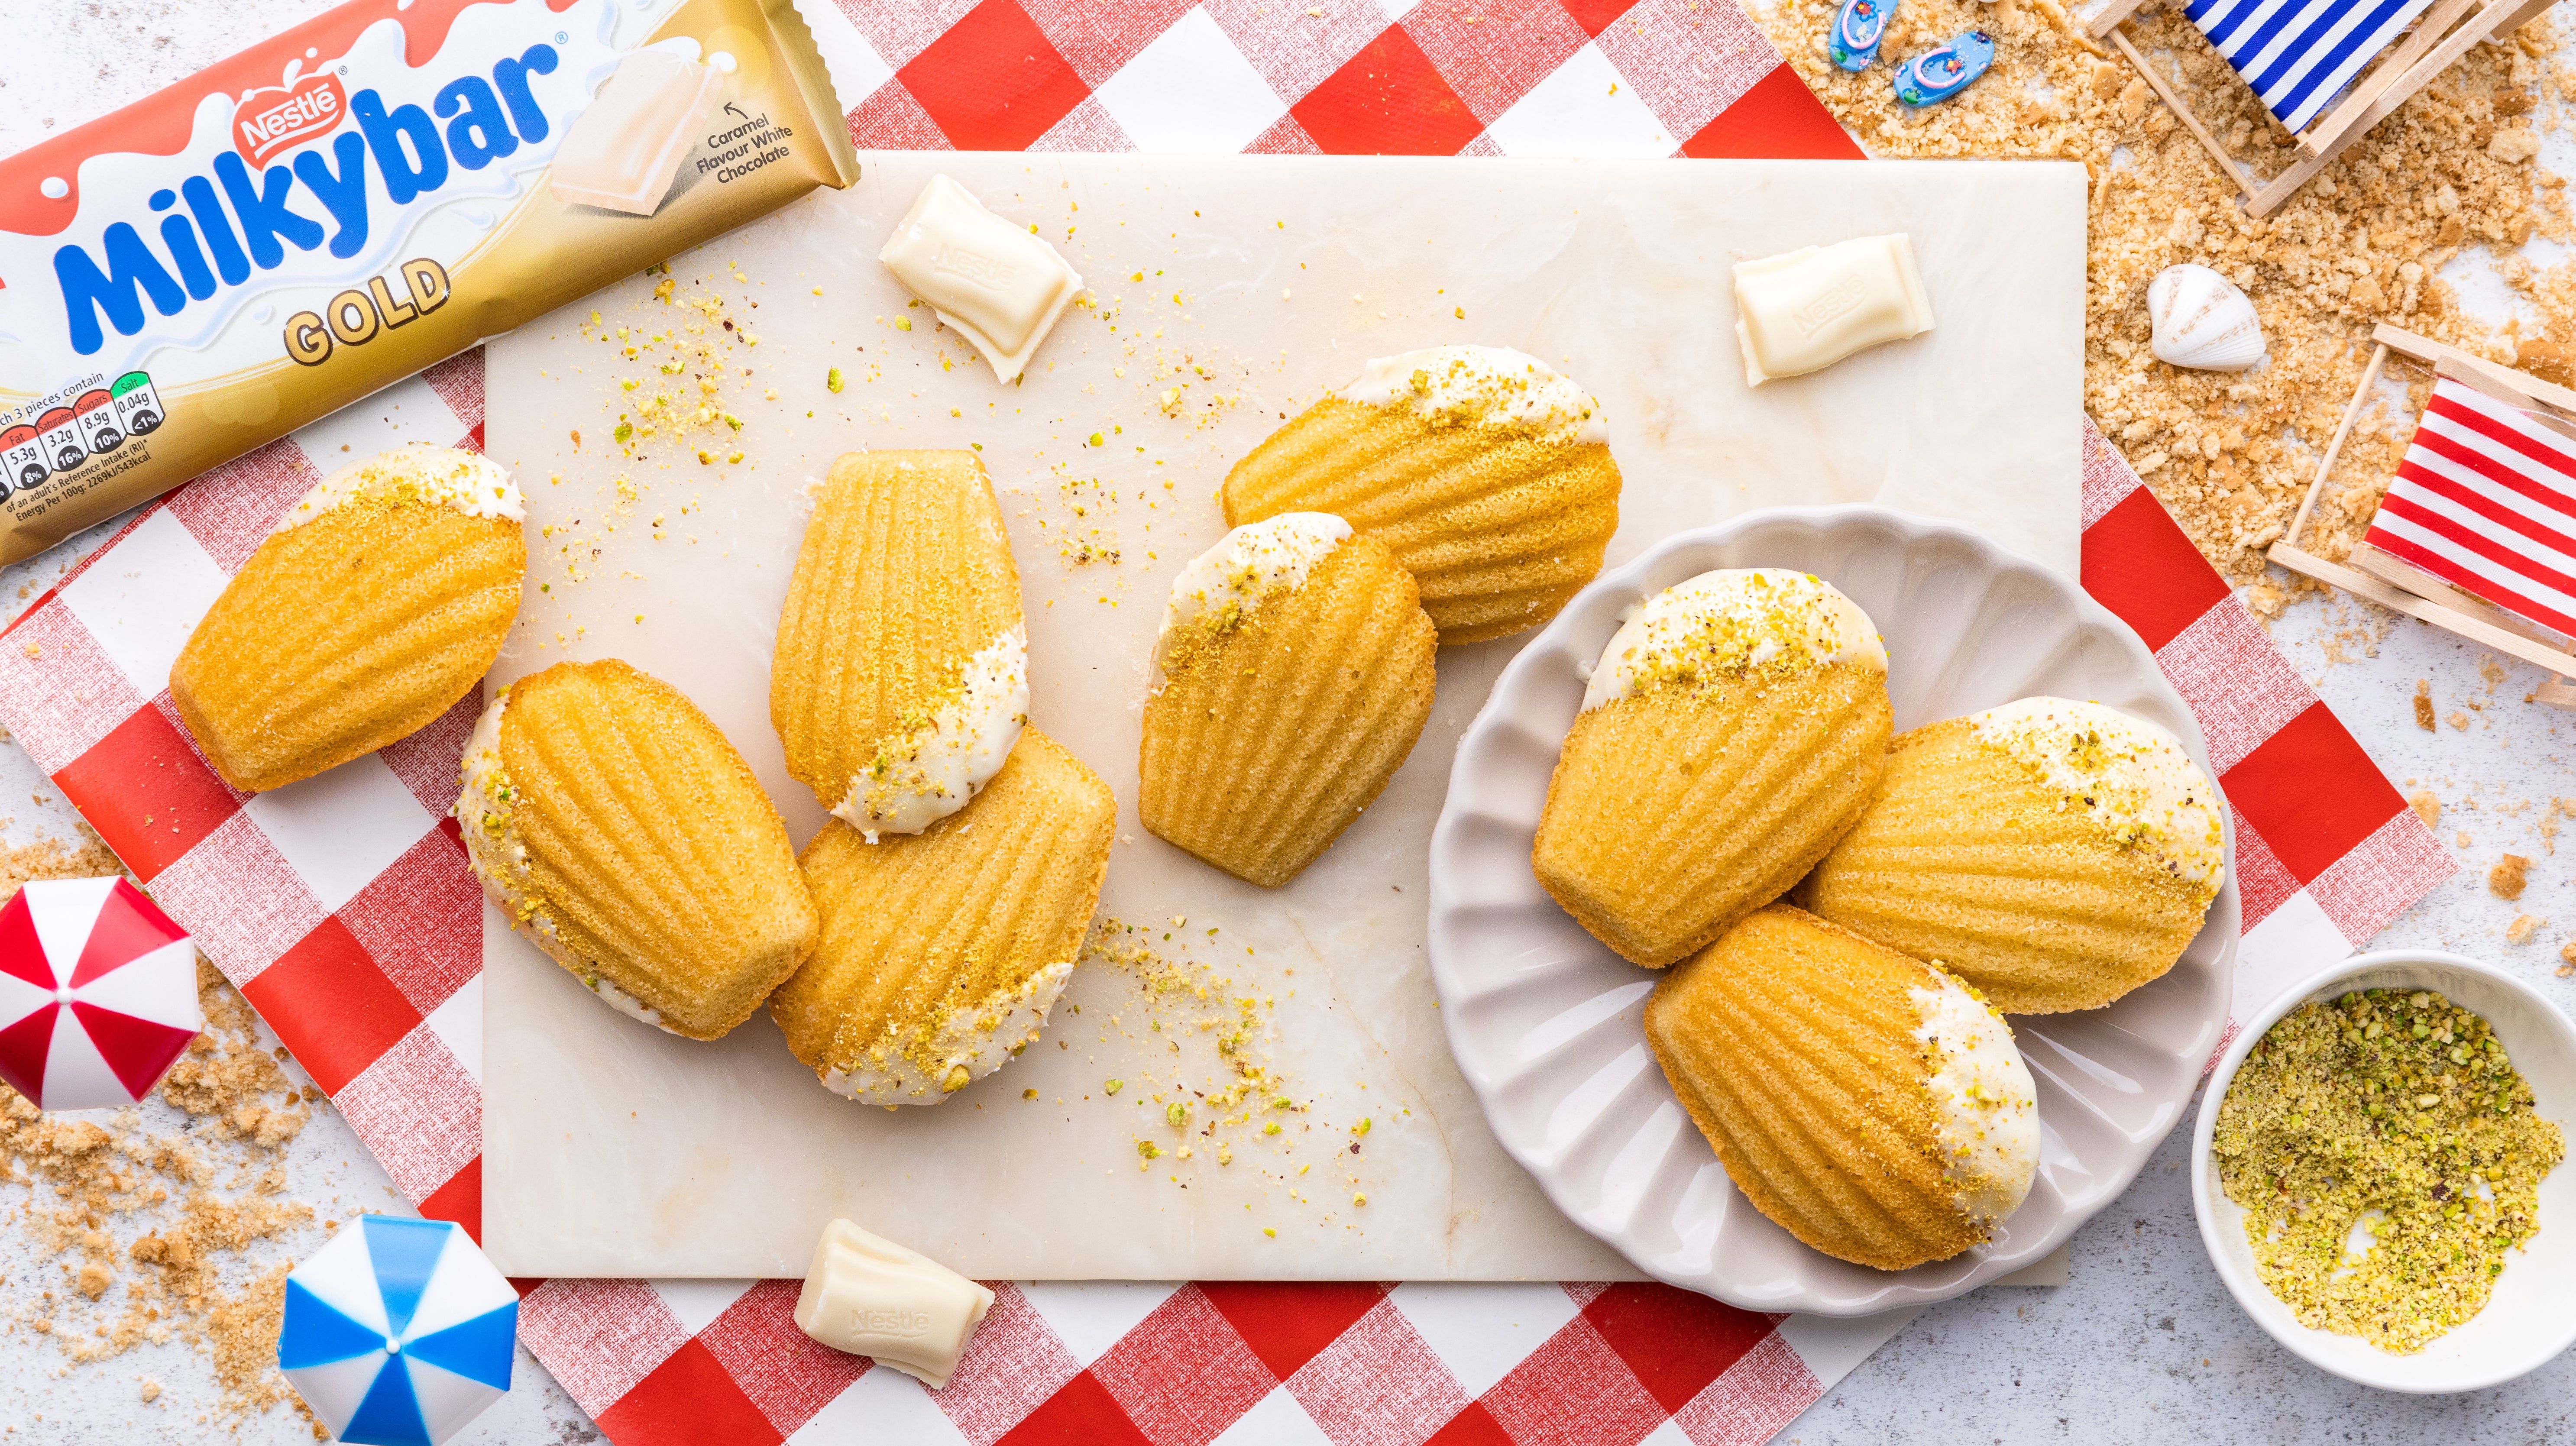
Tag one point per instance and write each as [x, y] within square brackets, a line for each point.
[2328, 70]
[2298, 55]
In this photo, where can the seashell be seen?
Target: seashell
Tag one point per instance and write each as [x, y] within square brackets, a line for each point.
[2202, 321]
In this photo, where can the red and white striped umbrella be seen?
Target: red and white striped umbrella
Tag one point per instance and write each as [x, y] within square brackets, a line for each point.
[98, 993]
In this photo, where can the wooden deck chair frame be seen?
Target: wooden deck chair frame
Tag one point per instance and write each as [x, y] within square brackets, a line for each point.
[2442, 35]
[2394, 583]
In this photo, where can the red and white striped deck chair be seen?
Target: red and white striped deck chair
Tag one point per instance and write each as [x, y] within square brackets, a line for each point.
[2477, 533]
[2485, 500]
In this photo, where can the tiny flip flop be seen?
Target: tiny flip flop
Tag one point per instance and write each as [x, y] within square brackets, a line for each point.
[1858, 27]
[1937, 75]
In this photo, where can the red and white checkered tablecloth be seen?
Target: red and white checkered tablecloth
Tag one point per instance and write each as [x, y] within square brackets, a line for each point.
[342, 907]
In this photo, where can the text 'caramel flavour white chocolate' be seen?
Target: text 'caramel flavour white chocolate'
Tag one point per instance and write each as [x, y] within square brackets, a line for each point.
[1808, 309]
[998, 284]
[624, 150]
[871, 1297]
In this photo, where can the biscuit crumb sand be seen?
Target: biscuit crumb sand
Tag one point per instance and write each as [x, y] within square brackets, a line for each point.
[2507, 879]
[2446, 177]
[161, 1236]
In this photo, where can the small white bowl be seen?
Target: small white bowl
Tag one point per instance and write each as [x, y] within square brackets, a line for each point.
[2531, 1316]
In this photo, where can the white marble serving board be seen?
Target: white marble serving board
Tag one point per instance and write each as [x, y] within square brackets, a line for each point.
[610, 1149]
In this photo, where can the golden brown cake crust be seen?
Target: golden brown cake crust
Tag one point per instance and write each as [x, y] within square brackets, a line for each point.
[1965, 858]
[653, 856]
[345, 633]
[1499, 525]
[904, 573]
[1676, 812]
[961, 917]
[1273, 731]
[1790, 1041]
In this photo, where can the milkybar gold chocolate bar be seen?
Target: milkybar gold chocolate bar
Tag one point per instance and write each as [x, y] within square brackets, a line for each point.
[362, 196]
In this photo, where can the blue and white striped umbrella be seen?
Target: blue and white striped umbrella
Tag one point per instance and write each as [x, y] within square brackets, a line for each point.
[398, 1332]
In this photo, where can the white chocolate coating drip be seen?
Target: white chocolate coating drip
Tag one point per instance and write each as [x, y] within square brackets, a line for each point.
[871, 1297]
[1227, 582]
[1482, 386]
[921, 777]
[923, 1067]
[1001, 286]
[496, 854]
[1808, 309]
[1986, 1107]
[443, 476]
[2131, 775]
[1730, 622]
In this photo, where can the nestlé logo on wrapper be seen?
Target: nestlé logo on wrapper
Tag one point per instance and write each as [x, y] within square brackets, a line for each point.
[280, 117]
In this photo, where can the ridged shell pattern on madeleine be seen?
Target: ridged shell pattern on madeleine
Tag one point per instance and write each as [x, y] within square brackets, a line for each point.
[625, 837]
[2056, 854]
[942, 953]
[1483, 470]
[1732, 730]
[1871, 1104]
[900, 681]
[1295, 671]
[379, 600]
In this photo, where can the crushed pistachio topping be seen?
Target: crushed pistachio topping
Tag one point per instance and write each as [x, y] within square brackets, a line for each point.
[431, 476]
[1253, 564]
[1985, 1107]
[948, 1042]
[1482, 386]
[2387, 1156]
[947, 746]
[1762, 623]
[2133, 777]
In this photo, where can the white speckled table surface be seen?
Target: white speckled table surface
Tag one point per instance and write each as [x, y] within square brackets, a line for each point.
[2141, 1344]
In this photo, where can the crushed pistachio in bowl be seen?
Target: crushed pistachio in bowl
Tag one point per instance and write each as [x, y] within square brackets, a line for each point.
[2374, 1171]
[2388, 1159]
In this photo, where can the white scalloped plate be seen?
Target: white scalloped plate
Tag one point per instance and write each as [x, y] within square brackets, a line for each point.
[1546, 1022]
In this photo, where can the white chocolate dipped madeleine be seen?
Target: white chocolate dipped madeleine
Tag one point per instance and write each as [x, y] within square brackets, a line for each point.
[942, 952]
[378, 601]
[899, 684]
[1869, 1103]
[623, 835]
[2056, 854]
[1732, 729]
[1484, 471]
[1293, 673]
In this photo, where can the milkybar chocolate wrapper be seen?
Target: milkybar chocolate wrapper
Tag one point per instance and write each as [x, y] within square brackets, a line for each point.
[872, 1297]
[1809, 309]
[624, 152]
[999, 285]
[362, 196]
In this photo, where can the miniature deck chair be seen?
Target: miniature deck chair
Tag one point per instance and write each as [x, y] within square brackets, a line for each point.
[2302, 57]
[2477, 534]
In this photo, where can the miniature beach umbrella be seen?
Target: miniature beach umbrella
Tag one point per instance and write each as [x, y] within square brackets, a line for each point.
[398, 1332]
[98, 993]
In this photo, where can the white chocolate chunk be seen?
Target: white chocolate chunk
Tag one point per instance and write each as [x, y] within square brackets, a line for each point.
[1808, 309]
[999, 285]
[872, 1297]
[625, 148]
